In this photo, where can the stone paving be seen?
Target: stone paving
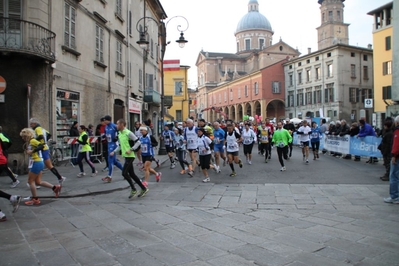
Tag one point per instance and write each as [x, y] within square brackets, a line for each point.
[195, 224]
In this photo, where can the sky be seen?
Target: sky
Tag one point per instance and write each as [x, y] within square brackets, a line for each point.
[212, 23]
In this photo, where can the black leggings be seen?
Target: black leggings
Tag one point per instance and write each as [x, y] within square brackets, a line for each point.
[85, 155]
[129, 174]
[8, 171]
[264, 148]
[248, 148]
[205, 161]
[282, 152]
[181, 154]
[4, 195]
[315, 145]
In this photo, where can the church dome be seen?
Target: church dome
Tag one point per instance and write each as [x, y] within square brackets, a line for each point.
[253, 19]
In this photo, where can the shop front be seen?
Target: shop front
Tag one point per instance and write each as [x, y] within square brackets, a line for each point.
[134, 112]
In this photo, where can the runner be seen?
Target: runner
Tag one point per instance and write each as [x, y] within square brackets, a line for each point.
[291, 129]
[218, 147]
[181, 151]
[111, 133]
[36, 165]
[204, 151]
[315, 140]
[128, 143]
[232, 140]
[168, 136]
[84, 152]
[190, 138]
[264, 143]
[249, 138]
[304, 131]
[270, 126]
[104, 143]
[281, 138]
[147, 154]
[7, 169]
[137, 132]
[41, 135]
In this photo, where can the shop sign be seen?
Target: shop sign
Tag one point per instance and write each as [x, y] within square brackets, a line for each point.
[68, 95]
[134, 106]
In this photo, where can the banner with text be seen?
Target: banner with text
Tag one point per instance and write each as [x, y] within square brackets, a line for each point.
[337, 144]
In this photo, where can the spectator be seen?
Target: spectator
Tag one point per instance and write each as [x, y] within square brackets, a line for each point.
[74, 132]
[353, 131]
[345, 131]
[90, 130]
[385, 148]
[367, 130]
[394, 172]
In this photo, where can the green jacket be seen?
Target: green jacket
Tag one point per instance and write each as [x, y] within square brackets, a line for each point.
[281, 135]
[124, 144]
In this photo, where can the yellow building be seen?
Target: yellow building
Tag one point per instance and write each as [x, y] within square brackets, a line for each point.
[175, 77]
[382, 59]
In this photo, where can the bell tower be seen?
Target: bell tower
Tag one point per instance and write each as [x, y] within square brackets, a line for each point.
[332, 30]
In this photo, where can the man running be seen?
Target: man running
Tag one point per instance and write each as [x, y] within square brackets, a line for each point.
[281, 138]
[190, 138]
[168, 136]
[219, 135]
[111, 134]
[147, 154]
[304, 131]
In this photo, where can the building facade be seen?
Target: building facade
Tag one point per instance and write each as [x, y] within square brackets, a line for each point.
[335, 81]
[383, 60]
[175, 76]
[71, 60]
[223, 78]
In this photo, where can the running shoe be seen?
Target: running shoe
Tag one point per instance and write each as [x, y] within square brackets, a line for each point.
[390, 200]
[132, 193]
[173, 165]
[307, 161]
[157, 161]
[107, 179]
[249, 162]
[158, 176]
[15, 201]
[233, 174]
[282, 169]
[61, 181]
[3, 217]
[270, 157]
[94, 174]
[215, 167]
[14, 184]
[81, 174]
[57, 190]
[32, 202]
[105, 169]
[240, 163]
[139, 164]
[206, 180]
[143, 192]
[182, 172]
[144, 183]
[265, 160]
[191, 173]
[218, 170]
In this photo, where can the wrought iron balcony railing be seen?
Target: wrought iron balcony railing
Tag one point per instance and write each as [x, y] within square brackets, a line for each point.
[26, 37]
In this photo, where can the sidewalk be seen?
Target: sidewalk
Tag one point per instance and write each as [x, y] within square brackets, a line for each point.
[74, 186]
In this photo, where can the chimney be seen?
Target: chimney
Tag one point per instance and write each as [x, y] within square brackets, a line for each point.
[369, 46]
[309, 50]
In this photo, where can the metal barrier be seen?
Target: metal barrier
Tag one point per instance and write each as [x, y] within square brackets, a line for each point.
[71, 149]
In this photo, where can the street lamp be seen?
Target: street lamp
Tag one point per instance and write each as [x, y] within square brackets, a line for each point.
[144, 44]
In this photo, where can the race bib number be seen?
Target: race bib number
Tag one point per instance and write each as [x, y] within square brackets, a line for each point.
[144, 149]
[281, 145]
[190, 141]
[167, 142]
[247, 141]
[232, 146]
[202, 151]
[264, 138]
[109, 137]
[30, 163]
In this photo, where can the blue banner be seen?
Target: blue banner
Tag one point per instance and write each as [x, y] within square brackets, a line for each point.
[366, 146]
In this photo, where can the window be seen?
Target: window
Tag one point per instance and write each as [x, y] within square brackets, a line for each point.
[140, 79]
[365, 72]
[261, 43]
[231, 94]
[308, 97]
[387, 68]
[386, 93]
[99, 44]
[70, 23]
[130, 22]
[247, 44]
[149, 81]
[290, 67]
[329, 93]
[119, 57]
[328, 54]
[364, 95]
[317, 71]
[300, 98]
[119, 8]
[239, 93]
[365, 57]
[338, 15]
[256, 88]
[388, 43]
[225, 97]
[308, 61]
[308, 76]
[317, 98]
[178, 88]
[330, 15]
[300, 64]
[246, 91]
[329, 70]
[291, 99]
[317, 58]
[291, 80]
[179, 116]
[276, 87]
[352, 54]
[353, 71]
[128, 73]
[353, 95]
[152, 48]
[299, 77]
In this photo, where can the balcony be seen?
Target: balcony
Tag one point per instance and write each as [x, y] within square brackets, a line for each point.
[20, 36]
[168, 101]
[152, 96]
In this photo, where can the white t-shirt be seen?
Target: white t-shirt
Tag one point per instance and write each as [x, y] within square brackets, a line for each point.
[248, 136]
[231, 142]
[203, 145]
[191, 137]
[305, 136]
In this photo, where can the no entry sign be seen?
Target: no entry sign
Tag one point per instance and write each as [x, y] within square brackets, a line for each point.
[3, 84]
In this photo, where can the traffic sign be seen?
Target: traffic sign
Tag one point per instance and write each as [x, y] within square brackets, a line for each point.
[368, 103]
[3, 84]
